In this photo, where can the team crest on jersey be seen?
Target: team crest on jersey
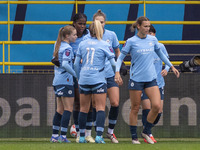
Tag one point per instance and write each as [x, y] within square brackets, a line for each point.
[111, 49]
[108, 41]
[67, 52]
[150, 44]
[132, 84]
[70, 92]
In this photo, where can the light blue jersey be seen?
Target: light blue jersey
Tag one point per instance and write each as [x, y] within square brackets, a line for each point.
[111, 38]
[142, 57]
[158, 66]
[61, 76]
[93, 54]
[75, 44]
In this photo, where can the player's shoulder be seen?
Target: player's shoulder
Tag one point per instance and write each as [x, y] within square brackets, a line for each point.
[132, 39]
[161, 45]
[87, 31]
[151, 37]
[109, 32]
[104, 43]
[64, 45]
[163, 48]
[86, 36]
[83, 42]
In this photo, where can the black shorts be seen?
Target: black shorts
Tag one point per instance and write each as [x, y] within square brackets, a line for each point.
[93, 89]
[111, 82]
[133, 85]
[144, 95]
[64, 90]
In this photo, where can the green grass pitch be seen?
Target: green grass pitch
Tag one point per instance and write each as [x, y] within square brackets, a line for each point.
[125, 144]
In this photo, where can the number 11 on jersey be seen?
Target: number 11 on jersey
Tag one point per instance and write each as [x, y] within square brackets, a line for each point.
[90, 50]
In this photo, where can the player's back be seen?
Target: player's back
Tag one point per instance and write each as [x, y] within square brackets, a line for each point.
[93, 54]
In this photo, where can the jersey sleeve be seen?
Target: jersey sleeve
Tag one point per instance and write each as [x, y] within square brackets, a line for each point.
[78, 53]
[126, 47]
[119, 61]
[87, 36]
[157, 44]
[68, 54]
[77, 66]
[163, 57]
[115, 43]
[109, 52]
[159, 52]
[162, 47]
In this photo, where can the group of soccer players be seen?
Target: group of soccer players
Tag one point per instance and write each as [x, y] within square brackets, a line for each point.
[86, 81]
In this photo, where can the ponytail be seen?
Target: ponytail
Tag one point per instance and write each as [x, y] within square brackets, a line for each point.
[58, 42]
[66, 30]
[133, 27]
[138, 22]
[96, 29]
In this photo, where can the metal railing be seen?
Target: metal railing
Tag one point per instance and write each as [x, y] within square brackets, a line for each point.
[77, 3]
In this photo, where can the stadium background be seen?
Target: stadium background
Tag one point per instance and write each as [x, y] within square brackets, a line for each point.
[27, 100]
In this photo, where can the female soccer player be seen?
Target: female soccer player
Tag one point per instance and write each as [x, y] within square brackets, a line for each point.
[79, 22]
[146, 103]
[142, 75]
[63, 82]
[93, 52]
[112, 88]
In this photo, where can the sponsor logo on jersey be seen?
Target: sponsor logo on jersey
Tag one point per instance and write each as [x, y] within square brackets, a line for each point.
[137, 44]
[89, 68]
[100, 90]
[145, 51]
[67, 52]
[92, 43]
[150, 44]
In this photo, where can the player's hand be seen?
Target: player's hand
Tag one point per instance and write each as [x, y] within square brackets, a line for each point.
[176, 72]
[118, 79]
[164, 72]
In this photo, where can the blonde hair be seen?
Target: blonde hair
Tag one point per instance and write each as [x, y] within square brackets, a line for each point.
[96, 29]
[66, 30]
[138, 22]
[99, 13]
